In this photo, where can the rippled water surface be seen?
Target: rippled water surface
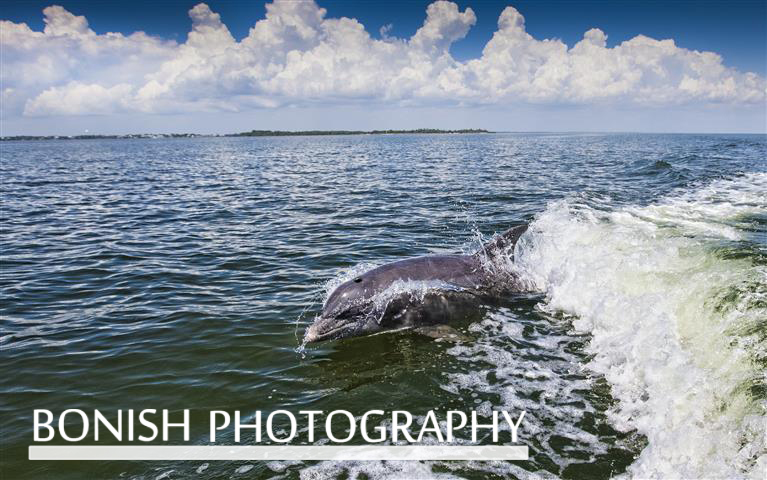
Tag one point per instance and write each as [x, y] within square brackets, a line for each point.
[182, 273]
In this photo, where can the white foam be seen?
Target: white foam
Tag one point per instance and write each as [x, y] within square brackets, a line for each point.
[647, 285]
[374, 470]
[244, 469]
[526, 379]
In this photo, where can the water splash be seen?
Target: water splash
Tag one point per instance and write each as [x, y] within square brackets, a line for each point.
[675, 324]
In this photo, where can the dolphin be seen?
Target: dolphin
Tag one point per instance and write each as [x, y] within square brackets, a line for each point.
[418, 292]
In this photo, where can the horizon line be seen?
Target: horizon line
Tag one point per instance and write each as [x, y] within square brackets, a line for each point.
[340, 132]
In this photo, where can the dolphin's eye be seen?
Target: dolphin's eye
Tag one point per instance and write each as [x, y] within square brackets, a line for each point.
[357, 280]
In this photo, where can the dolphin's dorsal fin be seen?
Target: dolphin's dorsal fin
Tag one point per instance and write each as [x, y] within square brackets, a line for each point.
[503, 242]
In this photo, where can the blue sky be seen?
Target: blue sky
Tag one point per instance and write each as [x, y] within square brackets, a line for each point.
[501, 92]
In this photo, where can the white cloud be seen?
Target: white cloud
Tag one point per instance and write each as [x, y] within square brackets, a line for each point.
[444, 25]
[77, 98]
[298, 56]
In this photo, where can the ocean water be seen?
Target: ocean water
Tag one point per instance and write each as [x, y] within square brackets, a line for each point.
[181, 274]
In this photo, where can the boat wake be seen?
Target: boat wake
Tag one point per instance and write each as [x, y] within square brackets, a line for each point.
[674, 298]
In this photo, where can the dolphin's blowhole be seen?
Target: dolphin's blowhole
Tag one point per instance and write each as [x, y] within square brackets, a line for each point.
[357, 280]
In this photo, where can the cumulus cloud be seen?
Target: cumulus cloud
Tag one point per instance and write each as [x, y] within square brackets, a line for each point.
[297, 55]
[77, 98]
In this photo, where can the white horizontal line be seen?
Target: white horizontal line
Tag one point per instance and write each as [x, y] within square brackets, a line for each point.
[276, 452]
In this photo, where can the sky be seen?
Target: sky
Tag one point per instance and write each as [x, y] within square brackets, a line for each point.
[226, 66]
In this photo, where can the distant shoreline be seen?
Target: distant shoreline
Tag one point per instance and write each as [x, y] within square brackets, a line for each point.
[252, 133]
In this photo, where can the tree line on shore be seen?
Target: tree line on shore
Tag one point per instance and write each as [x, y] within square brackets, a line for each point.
[252, 133]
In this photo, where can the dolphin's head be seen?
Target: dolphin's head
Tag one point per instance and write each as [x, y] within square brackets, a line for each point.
[350, 311]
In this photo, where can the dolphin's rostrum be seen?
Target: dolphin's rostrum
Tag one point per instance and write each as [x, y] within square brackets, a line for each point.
[417, 292]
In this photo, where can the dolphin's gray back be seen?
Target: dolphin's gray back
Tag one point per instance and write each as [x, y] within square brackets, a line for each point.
[462, 271]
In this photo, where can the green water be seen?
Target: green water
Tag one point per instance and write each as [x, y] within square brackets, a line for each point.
[180, 274]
